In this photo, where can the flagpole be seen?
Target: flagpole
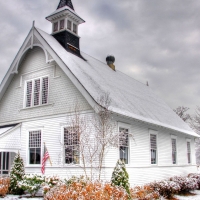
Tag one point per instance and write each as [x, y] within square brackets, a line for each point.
[49, 158]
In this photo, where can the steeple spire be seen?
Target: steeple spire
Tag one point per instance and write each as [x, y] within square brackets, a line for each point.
[65, 3]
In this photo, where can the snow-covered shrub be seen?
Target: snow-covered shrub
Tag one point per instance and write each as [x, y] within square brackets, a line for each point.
[144, 193]
[49, 182]
[74, 179]
[31, 183]
[4, 186]
[197, 177]
[92, 190]
[16, 175]
[120, 176]
[165, 188]
[185, 183]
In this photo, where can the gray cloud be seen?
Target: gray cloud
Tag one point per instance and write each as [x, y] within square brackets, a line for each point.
[155, 40]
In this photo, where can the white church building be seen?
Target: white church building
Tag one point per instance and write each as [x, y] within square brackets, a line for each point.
[37, 98]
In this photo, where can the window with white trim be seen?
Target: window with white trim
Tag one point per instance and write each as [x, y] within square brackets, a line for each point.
[74, 28]
[62, 24]
[124, 145]
[55, 27]
[69, 25]
[188, 152]
[153, 146]
[71, 144]
[37, 92]
[35, 147]
[174, 151]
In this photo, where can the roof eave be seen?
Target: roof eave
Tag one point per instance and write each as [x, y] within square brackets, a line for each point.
[50, 17]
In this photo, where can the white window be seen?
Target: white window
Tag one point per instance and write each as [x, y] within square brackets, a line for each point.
[4, 163]
[71, 144]
[188, 152]
[153, 148]
[62, 22]
[69, 25]
[37, 92]
[35, 147]
[74, 28]
[124, 144]
[174, 151]
[55, 27]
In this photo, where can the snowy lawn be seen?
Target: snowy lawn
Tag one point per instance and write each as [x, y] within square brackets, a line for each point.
[192, 197]
[16, 197]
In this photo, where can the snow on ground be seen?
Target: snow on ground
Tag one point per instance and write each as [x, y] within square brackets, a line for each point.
[16, 197]
[195, 197]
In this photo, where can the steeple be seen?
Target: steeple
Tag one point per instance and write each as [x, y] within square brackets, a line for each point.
[65, 3]
[65, 22]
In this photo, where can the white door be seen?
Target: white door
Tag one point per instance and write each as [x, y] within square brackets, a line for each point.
[4, 163]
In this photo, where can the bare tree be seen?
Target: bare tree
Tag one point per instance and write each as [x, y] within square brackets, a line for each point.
[92, 137]
[106, 133]
[195, 125]
[181, 112]
[195, 122]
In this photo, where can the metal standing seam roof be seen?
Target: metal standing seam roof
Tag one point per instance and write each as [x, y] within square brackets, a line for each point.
[129, 97]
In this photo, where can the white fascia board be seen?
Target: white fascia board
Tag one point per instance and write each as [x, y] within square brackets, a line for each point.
[64, 12]
[10, 130]
[9, 75]
[66, 70]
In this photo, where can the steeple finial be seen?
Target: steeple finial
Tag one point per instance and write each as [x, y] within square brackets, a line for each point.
[65, 3]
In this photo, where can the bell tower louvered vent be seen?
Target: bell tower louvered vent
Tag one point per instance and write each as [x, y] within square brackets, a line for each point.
[65, 22]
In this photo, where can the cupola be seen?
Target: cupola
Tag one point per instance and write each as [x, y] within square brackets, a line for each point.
[65, 22]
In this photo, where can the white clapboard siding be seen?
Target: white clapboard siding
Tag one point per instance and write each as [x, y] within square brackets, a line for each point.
[63, 95]
[140, 170]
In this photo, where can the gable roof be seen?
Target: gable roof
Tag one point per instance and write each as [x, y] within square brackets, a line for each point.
[129, 97]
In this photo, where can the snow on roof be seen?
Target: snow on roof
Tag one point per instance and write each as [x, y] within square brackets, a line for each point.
[129, 97]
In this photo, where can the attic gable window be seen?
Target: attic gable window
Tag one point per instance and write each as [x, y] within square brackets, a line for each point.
[62, 22]
[55, 27]
[37, 92]
[69, 25]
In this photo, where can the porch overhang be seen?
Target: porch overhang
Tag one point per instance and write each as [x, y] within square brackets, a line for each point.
[10, 138]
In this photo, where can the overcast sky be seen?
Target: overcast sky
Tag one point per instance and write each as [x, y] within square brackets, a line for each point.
[152, 40]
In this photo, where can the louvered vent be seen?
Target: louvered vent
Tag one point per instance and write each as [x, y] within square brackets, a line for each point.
[28, 93]
[45, 86]
[37, 92]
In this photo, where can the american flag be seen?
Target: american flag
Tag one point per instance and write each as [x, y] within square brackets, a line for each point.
[44, 159]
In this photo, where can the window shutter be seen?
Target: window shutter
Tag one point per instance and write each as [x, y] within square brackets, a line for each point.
[28, 93]
[37, 92]
[153, 141]
[45, 85]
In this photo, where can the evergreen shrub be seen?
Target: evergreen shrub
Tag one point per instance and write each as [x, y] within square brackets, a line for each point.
[31, 183]
[120, 176]
[16, 174]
